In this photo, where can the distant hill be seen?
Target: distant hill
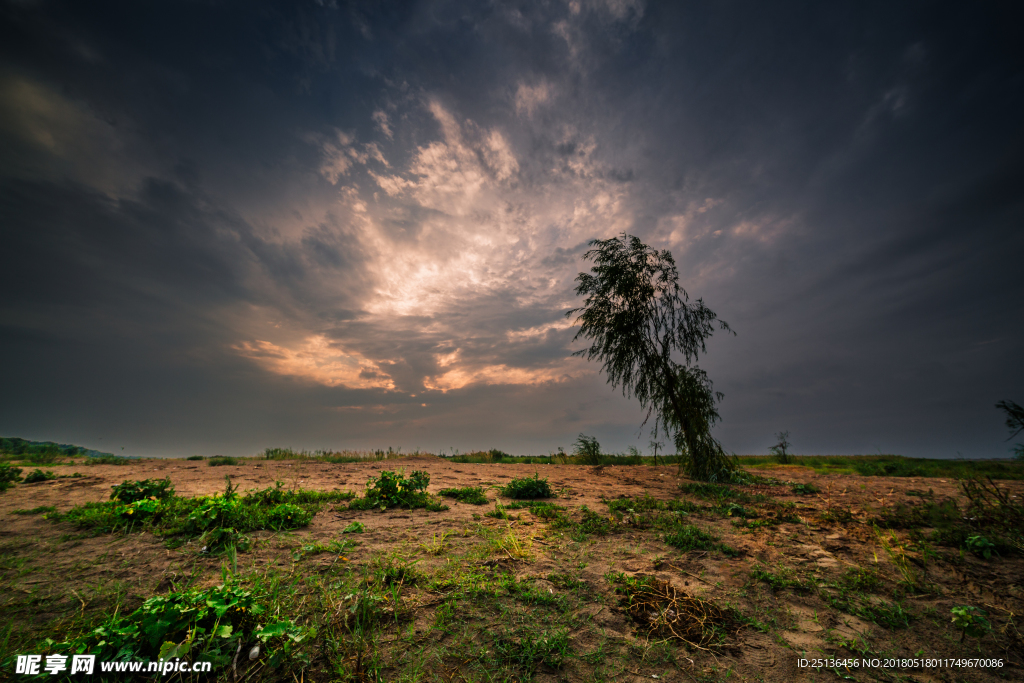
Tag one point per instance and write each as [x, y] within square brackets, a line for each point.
[15, 446]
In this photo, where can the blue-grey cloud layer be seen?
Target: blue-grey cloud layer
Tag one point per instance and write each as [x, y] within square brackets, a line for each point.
[227, 226]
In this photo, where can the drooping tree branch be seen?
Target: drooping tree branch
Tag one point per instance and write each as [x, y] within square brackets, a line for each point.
[638, 320]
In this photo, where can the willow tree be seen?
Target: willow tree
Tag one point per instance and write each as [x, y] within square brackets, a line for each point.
[648, 336]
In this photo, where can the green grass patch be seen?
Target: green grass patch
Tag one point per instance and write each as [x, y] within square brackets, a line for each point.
[219, 521]
[498, 512]
[219, 460]
[525, 649]
[109, 460]
[474, 495]
[689, 537]
[335, 547]
[647, 503]
[896, 466]
[41, 510]
[781, 579]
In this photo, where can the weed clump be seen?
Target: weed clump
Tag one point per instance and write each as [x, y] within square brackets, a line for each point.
[38, 475]
[41, 510]
[393, 490]
[130, 491]
[528, 488]
[590, 523]
[689, 537]
[220, 521]
[525, 649]
[780, 580]
[474, 495]
[221, 460]
[198, 625]
[9, 475]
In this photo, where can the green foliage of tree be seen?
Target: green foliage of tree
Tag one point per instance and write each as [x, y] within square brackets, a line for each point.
[638, 321]
[588, 448]
[779, 449]
[1015, 423]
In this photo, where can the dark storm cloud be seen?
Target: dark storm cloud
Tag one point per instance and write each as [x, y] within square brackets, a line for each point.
[348, 224]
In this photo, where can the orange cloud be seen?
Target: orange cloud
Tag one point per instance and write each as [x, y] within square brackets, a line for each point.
[317, 360]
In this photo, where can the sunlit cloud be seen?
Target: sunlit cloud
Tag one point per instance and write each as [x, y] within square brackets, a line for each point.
[317, 360]
[460, 377]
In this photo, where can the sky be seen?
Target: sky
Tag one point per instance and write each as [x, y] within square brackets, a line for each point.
[226, 226]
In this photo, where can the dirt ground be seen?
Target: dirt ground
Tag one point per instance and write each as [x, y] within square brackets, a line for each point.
[51, 571]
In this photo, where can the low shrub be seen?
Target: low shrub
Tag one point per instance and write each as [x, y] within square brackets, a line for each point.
[222, 460]
[9, 475]
[38, 475]
[528, 488]
[129, 491]
[107, 460]
[393, 490]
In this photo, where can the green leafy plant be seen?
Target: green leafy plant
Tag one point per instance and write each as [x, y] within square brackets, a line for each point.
[222, 460]
[197, 625]
[804, 489]
[288, 516]
[981, 546]
[528, 488]
[195, 457]
[38, 475]
[9, 475]
[971, 621]
[392, 489]
[354, 528]
[131, 491]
